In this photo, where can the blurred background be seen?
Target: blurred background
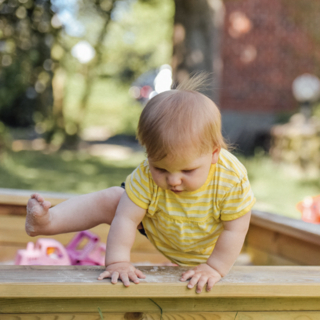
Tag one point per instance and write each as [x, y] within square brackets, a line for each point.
[75, 75]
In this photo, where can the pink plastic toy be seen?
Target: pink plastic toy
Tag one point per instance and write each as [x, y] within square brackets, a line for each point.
[45, 252]
[93, 253]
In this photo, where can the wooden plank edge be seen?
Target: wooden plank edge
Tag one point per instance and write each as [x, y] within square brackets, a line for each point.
[292, 227]
[21, 197]
[155, 290]
[199, 304]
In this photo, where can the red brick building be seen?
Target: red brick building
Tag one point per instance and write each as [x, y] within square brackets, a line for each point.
[266, 44]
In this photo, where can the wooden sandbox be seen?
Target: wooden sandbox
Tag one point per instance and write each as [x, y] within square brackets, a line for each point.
[283, 282]
[73, 293]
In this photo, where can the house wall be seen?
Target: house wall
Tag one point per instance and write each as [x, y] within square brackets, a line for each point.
[266, 45]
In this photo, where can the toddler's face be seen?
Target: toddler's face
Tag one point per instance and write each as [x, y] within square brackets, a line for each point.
[187, 173]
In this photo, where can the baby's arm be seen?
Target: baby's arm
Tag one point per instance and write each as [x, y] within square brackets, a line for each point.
[229, 244]
[223, 256]
[120, 241]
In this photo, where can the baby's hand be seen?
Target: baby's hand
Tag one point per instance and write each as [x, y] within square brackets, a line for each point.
[123, 270]
[202, 274]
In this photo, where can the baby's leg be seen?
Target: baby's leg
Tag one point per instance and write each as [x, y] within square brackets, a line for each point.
[76, 214]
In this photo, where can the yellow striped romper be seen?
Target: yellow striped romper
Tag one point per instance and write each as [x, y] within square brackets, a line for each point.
[185, 226]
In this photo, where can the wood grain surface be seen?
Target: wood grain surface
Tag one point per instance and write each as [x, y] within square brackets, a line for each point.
[81, 281]
[170, 316]
[296, 315]
[126, 316]
[199, 304]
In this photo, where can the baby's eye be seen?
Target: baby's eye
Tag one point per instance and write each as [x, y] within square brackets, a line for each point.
[161, 170]
[188, 171]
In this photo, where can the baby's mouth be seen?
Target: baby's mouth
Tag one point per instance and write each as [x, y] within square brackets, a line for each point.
[176, 191]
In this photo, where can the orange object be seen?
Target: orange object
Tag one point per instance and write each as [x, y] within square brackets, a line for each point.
[310, 209]
[51, 250]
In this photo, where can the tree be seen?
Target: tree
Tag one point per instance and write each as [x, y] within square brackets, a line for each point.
[35, 56]
[122, 34]
[196, 41]
[26, 36]
[70, 137]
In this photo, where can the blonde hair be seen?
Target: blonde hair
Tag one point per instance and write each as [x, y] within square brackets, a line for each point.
[175, 120]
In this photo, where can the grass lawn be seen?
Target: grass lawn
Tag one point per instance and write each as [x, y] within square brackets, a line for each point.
[66, 171]
[277, 188]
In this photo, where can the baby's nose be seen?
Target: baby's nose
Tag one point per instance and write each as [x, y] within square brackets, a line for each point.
[173, 180]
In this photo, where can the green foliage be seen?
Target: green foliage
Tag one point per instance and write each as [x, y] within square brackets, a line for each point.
[139, 38]
[5, 141]
[109, 105]
[25, 78]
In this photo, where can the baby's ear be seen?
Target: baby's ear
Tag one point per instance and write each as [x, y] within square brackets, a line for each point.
[215, 155]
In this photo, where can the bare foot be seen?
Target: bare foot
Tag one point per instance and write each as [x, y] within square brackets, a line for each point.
[38, 216]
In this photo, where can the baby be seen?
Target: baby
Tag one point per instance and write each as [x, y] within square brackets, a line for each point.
[190, 197]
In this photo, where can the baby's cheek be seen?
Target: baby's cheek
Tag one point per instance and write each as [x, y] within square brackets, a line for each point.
[159, 181]
[197, 183]
[191, 185]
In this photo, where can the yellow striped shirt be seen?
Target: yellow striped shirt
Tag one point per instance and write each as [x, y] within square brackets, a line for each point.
[185, 226]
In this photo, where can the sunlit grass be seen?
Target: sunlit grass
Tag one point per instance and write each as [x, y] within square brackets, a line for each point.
[279, 187]
[71, 172]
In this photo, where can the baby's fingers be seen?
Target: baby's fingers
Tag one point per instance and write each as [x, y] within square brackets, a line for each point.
[114, 277]
[103, 275]
[139, 274]
[187, 275]
[194, 280]
[133, 277]
[201, 283]
[125, 279]
[211, 283]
